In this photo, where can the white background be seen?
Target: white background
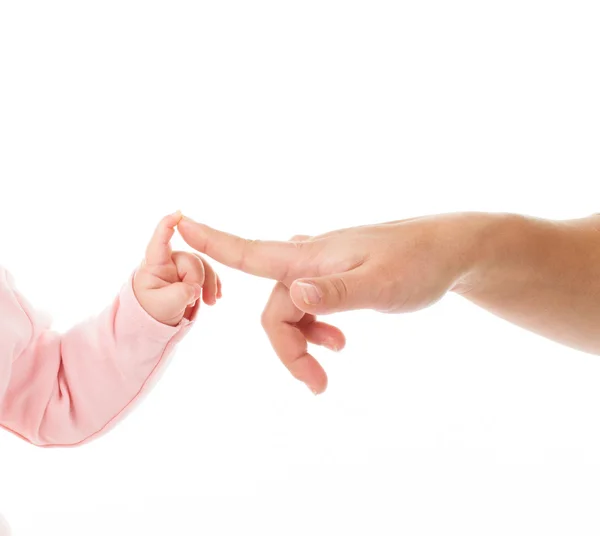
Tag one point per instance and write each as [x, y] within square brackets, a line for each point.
[271, 118]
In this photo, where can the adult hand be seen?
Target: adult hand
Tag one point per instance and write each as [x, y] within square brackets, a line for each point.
[393, 267]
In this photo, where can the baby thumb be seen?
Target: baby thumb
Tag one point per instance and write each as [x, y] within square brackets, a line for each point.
[331, 294]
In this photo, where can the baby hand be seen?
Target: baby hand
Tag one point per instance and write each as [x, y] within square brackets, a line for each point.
[169, 284]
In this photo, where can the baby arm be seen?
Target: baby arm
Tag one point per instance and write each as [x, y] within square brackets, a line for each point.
[64, 390]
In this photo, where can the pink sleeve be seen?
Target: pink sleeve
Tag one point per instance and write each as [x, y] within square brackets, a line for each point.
[64, 390]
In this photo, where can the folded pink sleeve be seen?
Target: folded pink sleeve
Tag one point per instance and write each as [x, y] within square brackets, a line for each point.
[64, 390]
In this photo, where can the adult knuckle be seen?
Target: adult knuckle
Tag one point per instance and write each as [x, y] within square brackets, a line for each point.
[339, 289]
[248, 245]
[296, 366]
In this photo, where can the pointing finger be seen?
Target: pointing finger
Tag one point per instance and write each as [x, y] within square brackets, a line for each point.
[273, 260]
[159, 248]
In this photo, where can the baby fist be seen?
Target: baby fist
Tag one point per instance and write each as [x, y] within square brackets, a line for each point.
[169, 285]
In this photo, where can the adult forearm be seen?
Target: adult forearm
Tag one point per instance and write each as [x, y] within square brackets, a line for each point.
[539, 274]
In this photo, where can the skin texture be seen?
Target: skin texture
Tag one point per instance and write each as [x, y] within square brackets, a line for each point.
[542, 275]
[168, 284]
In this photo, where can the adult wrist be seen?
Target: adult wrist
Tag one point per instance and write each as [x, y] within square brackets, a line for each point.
[486, 239]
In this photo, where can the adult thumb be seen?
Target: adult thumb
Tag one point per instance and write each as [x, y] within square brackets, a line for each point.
[332, 293]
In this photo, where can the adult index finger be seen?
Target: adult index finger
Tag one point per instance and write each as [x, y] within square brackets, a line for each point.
[270, 259]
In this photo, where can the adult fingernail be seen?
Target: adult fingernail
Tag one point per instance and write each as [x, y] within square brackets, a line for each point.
[313, 390]
[310, 293]
[177, 215]
[332, 345]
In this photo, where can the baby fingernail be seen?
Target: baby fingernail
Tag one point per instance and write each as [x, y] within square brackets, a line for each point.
[197, 292]
[310, 293]
[313, 390]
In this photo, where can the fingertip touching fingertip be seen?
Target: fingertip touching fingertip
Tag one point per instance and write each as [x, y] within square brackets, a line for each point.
[173, 219]
[185, 219]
